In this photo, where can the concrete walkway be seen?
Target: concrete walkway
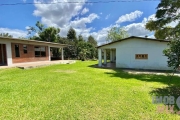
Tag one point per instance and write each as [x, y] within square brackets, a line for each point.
[38, 64]
[150, 72]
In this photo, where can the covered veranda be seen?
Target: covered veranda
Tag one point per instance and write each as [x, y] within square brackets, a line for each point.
[107, 57]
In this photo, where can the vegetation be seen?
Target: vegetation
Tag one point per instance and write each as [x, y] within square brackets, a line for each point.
[5, 35]
[76, 48]
[116, 33]
[79, 91]
[168, 12]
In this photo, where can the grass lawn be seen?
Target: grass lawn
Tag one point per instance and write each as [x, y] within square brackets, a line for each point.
[79, 91]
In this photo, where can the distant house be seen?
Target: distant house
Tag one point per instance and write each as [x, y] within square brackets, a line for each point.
[14, 50]
[136, 53]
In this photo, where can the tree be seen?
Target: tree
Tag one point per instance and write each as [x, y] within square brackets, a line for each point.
[92, 41]
[71, 35]
[173, 53]
[116, 33]
[80, 37]
[50, 34]
[5, 35]
[167, 12]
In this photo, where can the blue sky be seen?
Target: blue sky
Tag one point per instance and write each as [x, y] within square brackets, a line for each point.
[86, 18]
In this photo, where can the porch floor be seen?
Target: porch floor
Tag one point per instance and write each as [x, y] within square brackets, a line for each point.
[38, 64]
[109, 65]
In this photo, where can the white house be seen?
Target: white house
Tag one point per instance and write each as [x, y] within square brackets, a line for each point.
[136, 53]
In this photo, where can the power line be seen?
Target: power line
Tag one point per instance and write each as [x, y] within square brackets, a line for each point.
[75, 2]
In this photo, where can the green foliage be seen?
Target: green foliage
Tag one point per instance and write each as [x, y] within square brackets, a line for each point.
[5, 35]
[80, 38]
[50, 34]
[92, 41]
[167, 12]
[173, 53]
[116, 33]
[71, 35]
[77, 48]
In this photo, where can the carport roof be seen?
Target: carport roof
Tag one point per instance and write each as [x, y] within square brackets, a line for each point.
[34, 41]
[143, 38]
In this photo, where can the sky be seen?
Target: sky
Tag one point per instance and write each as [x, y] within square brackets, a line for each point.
[85, 16]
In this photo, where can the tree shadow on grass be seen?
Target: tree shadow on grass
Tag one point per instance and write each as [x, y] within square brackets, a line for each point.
[119, 73]
[172, 90]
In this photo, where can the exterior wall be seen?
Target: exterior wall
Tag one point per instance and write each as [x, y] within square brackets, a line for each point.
[29, 56]
[126, 50]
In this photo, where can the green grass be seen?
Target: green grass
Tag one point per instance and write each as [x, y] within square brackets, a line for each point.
[80, 91]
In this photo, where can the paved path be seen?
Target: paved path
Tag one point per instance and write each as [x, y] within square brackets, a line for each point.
[149, 72]
[38, 64]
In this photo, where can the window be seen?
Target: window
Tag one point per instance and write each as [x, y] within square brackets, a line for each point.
[141, 56]
[17, 51]
[25, 49]
[40, 51]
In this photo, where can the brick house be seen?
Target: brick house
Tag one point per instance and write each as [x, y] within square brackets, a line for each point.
[13, 50]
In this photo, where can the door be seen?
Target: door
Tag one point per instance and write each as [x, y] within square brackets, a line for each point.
[3, 57]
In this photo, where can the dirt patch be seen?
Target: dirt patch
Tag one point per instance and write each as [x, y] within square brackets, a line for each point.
[65, 71]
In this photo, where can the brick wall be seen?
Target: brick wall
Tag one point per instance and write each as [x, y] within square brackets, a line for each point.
[29, 56]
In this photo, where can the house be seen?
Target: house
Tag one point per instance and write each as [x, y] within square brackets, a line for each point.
[135, 53]
[13, 50]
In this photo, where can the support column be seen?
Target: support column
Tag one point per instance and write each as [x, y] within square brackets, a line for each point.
[49, 52]
[9, 53]
[111, 56]
[99, 57]
[62, 54]
[105, 58]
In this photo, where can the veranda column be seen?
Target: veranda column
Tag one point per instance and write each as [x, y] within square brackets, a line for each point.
[49, 52]
[105, 58]
[114, 54]
[99, 57]
[111, 56]
[62, 54]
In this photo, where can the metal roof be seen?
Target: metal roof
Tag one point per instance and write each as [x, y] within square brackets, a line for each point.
[144, 38]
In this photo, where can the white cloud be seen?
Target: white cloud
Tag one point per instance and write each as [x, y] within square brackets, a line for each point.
[137, 29]
[14, 32]
[24, 1]
[129, 17]
[107, 16]
[57, 14]
[81, 23]
[84, 11]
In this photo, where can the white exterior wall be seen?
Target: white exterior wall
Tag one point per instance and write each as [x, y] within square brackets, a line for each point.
[8, 51]
[126, 50]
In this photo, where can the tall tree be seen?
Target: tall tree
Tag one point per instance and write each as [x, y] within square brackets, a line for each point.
[116, 33]
[71, 35]
[80, 38]
[50, 34]
[92, 41]
[167, 12]
[5, 35]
